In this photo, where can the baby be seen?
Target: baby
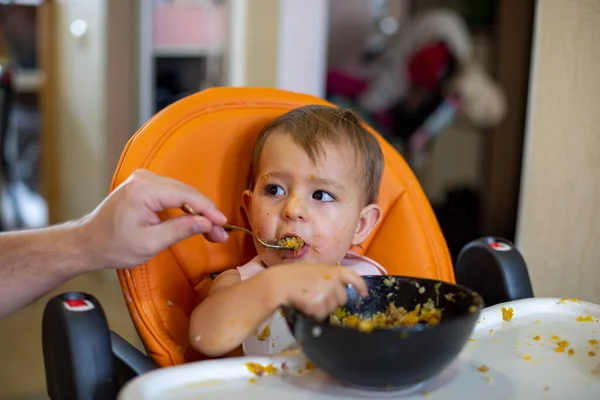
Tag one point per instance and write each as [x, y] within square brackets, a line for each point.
[315, 176]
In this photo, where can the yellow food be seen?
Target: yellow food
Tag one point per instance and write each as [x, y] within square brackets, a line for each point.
[264, 334]
[507, 314]
[585, 319]
[259, 370]
[562, 345]
[393, 317]
[483, 368]
[291, 242]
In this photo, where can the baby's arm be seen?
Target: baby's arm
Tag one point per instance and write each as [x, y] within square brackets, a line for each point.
[234, 308]
[232, 311]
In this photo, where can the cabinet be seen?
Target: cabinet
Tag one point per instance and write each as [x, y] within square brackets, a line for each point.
[25, 128]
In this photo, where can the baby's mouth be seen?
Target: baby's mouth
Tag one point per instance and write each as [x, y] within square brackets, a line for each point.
[292, 242]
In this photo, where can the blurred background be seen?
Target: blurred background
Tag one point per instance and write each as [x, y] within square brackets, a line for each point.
[491, 102]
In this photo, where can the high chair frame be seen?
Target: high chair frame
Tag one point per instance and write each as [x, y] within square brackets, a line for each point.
[214, 125]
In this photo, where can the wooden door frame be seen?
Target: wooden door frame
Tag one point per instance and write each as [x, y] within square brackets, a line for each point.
[504, 144]
[47, 56]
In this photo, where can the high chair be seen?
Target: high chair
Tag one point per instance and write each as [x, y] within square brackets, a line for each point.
[206, 141]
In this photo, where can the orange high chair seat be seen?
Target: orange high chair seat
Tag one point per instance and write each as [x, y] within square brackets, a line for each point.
[206, 141]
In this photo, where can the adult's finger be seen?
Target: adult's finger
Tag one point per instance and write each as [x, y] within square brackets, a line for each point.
[217, 234]
[349, 277]
[165, 194]
[176, 229]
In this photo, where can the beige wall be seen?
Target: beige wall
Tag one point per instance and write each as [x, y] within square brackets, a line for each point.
[93, 119]
[559, 224]
[80, 108]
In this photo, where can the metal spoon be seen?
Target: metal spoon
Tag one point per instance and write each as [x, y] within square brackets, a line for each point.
[268, 243]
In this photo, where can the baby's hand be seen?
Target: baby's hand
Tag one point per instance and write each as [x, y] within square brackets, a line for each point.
[317, 289]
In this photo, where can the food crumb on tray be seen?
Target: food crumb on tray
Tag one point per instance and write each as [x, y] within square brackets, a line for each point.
[309, 366]
[507, 314]
[483, 368]
[565, 299]
[260, 370]
[587, 318]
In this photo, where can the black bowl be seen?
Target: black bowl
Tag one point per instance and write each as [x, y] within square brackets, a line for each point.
[397, 357]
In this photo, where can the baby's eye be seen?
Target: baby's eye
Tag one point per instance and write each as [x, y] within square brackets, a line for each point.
[274, 190]
[322, 195]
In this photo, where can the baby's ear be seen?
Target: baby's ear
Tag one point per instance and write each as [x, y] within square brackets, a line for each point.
[368, 219]
[247, 202]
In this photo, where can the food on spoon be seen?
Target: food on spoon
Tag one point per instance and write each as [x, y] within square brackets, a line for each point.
[291, 242]
[393, 316]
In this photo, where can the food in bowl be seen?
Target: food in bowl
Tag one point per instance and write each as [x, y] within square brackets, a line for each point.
[423, 313]
[411, 330]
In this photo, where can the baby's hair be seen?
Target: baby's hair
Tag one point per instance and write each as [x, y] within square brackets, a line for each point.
[312, 126]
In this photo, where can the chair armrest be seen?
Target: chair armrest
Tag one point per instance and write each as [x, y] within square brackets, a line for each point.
[77, 349]
[128, 361]
[495, 269]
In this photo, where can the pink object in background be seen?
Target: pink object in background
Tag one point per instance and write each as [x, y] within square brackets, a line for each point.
[189, 26]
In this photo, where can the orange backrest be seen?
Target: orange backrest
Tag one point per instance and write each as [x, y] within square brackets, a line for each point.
[206, 141]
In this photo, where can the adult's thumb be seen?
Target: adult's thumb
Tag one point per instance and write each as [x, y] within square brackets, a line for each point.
[177, 229]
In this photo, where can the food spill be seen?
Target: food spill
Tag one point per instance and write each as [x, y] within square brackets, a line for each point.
[565, 299]
[587, 318]
[507, 314]
[260, 370]
[309, 366]
[264, 333]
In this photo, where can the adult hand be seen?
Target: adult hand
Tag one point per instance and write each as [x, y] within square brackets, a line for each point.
[125, 229]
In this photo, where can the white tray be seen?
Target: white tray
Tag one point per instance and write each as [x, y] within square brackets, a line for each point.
[520, 367]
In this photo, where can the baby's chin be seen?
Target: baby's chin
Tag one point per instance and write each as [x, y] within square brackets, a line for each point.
[308, 258]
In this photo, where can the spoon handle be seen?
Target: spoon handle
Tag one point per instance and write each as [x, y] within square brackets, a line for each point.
[188, 210]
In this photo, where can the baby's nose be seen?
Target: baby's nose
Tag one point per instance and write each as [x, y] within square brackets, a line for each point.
[295, 209]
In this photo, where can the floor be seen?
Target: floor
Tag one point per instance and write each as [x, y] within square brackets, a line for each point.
[21, 364]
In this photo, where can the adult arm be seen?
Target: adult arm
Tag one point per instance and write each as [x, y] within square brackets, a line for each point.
[123, 231]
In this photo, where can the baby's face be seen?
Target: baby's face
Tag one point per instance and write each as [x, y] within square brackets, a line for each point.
[321, 203]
